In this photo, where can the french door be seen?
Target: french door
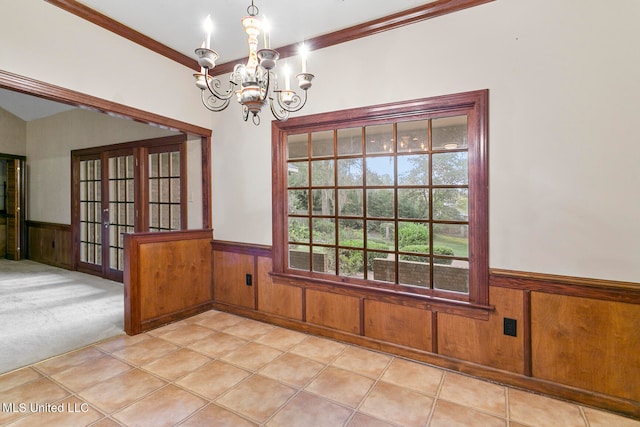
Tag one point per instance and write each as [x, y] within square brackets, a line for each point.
[106, 211]
[124, 190]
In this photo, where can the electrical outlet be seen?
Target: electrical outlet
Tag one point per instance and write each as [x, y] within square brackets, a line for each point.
[510, 327]
[249, 280]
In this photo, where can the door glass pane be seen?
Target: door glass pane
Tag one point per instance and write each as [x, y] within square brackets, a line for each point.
[121, 205]
[90, 212]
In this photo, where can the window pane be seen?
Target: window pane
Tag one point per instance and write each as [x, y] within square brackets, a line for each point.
[451, 168]
[449, 133]
[413, 270]
[412, 236]
[175, 163]
[378, 262]
[297, 146]
[164, 164]
[299, 230]
[153, 165]
[451, 276]
[350, 233]
[380, 170]
[451, 204]
[453, 239]
[299, 257]
[154, 190]
[349, 172]
[324, 260]
[323, 202]
[324, 231]
[298, 174]
[349, 141]
[379, 139]
[350, 202]
[413, 203]
[322, 173]
[175, 190]
[322, 144]
[351, 263]
[413, 170]
[381, 235]
[380, 203]
[413, 136]
[299, 202]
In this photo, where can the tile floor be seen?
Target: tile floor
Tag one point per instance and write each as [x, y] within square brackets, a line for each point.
[217, 369]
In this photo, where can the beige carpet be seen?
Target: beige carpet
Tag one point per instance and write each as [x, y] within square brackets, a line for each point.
[46, 311]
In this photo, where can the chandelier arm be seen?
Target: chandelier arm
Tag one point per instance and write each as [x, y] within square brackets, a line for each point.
[214, 88]
[281, 115]
[295, 105]
[211, 103]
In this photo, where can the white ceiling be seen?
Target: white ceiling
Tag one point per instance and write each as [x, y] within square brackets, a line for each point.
[178, 24]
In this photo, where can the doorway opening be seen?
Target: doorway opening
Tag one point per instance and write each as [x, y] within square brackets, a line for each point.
[12, 201]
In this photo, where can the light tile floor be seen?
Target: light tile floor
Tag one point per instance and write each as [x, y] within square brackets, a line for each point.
[217, 369]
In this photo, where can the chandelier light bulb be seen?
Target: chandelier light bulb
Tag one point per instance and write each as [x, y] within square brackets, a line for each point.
[208, 29]
[254, 83]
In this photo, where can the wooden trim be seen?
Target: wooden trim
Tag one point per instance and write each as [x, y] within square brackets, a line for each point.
[460, 308]
[205, 148]
[607, 290]
[128, 33]
[390, 22]
[526, 328]
[49, 225]
[67, 96]
[241, 248]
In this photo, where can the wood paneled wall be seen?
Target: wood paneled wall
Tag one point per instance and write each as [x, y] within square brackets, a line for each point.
[168, 277]
[49, 243]
[576, 339]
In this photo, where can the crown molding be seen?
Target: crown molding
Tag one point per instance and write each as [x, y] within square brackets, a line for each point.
[396, 20]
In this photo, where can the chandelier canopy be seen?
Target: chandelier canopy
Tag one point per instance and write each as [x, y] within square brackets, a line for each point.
[255, 83]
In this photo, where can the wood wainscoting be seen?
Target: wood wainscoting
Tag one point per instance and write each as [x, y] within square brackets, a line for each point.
[575, 339]
[49, 243]
[168, 277]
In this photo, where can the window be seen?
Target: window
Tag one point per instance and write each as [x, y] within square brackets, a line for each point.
[391, 197]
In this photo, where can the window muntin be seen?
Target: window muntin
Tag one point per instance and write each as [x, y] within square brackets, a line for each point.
[396, 201]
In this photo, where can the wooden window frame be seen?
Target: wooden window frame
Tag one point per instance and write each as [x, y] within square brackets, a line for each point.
[475, 105]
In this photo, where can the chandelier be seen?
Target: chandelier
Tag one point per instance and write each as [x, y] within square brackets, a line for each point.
[254, 84]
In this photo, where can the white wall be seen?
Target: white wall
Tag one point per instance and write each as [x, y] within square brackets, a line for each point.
[13, 134]
[564, 151]
[49, 144]
[46, 43]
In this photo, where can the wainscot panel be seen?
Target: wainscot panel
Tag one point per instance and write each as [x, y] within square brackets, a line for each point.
[334, 311]
[168, 277]
[49, 243]
[233, 283]
[575, 338]
[470, 339]
[407, 326]
[273, 298]
[587, 343]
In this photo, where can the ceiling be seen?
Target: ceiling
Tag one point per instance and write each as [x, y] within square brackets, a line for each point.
[178, 24]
